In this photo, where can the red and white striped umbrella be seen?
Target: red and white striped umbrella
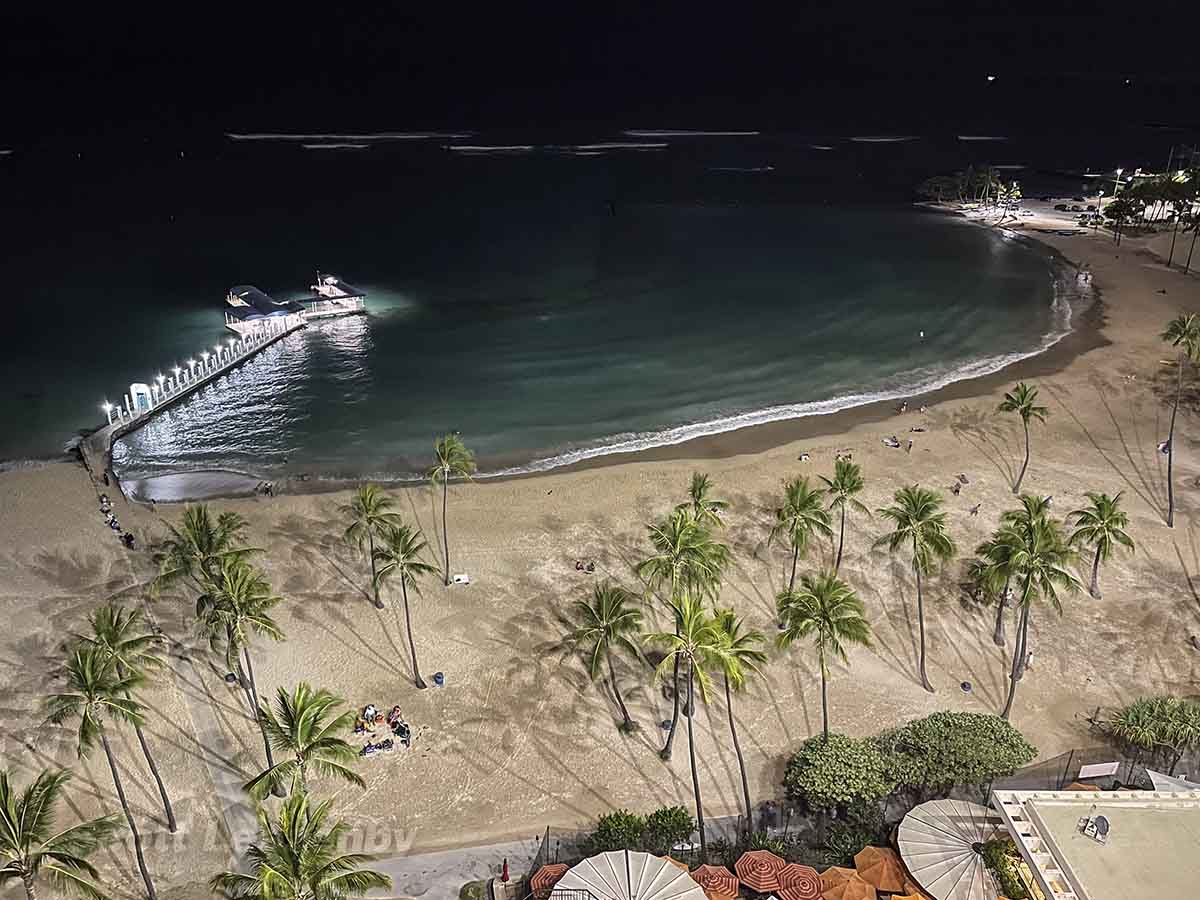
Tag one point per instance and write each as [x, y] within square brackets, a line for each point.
[545, 878]
[797, 882]
[718, 882]
[759, 870]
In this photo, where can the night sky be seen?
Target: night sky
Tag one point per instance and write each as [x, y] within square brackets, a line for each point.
[202, 68]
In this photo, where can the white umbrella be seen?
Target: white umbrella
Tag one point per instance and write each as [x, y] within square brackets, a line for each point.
[939, 842]
[627, 875]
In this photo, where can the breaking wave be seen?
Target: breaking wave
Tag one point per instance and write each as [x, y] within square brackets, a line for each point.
[668, 132]
[366, 136]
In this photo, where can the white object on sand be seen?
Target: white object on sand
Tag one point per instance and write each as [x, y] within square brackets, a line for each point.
[461, 579]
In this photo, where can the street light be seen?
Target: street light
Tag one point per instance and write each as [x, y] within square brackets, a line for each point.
[107, 407]
[1117, 182]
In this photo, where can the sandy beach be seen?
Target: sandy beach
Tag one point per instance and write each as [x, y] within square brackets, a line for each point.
[518, 739]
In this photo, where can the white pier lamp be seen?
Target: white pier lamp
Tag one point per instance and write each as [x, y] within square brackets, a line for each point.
[218, 349]
[204, 354]
[108, 408]
[160, 378]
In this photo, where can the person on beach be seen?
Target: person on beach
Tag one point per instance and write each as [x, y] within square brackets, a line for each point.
[908, 449]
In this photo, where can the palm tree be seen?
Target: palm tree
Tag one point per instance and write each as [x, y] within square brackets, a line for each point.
[740, 657]
[1101, 525]
[687, 559]
[301, 727]
[195, 549]
[920, 523]
[235, 607]
[370, 514]
[297, 858]
[400, 556]
[802, 515]
[30, 848]
[1023, 401]
[827, 610]
[1183, 333]
[697, 642]
[705, 509]
[609, 620]
[992, 572]
[1039, 556]
[843, 490]
[119, 633]
[454, 460]
[95, 694]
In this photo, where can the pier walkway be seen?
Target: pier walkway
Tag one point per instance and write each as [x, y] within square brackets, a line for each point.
[166, 391]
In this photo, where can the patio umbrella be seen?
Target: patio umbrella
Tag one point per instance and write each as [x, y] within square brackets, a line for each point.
[718, 882]
[759, 870]
[845, 884]
[1077, 786]
[627, 875]
[881, 867]
[545, 878]
[938, 842]
[673, 861]
[797, 882]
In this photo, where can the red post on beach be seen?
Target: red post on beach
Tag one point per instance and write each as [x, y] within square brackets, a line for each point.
[504, 873]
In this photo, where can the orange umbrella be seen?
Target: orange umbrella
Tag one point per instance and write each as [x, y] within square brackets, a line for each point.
[543, 881]
[912, 889]
[881, 867]
[759, 870]
[1077, 786]
[673, 861]
[718, 882]
[845, 884]
[797, 882]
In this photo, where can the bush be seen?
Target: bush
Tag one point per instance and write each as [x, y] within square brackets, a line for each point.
[760, 840]
[1000, 856]
[620, 830]
[952, 748]
[473, 890]
[666, 827]
[835, 773]
[843, 841]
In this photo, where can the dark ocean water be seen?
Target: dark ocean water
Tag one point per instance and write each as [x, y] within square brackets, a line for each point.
[550, 305]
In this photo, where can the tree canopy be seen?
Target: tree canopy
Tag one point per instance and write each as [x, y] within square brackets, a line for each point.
[827, 773]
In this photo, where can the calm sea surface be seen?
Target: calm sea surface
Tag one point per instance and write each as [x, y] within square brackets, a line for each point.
[548, 305]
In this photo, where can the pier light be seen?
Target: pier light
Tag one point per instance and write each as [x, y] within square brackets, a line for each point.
[108, 408]
[177, 370]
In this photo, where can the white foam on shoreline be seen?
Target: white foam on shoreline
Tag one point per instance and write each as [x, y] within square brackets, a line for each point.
[982, 137]
[487, 148]
[670, 132]
[335, 146]
[365, 136]
[741, 168]
[883, 138]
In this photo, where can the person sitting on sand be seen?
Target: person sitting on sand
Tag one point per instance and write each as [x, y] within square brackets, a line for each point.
[956, 489]
[975, 509]
[591, 567]
[893, 442]
[904, 406]
[579, 565]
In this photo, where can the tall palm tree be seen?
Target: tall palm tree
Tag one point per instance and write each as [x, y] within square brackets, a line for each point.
[96, 694]
[1039, 556]
[1023, 401]
[370, 514]
[1102, 526]
[706, 510]
[30, 848]
[454, 460]
[297, 858]
[827, 610]
[120, 633]
[992, 572]
[686, 559]
[920, 524]
[608, 620]
[304, 726]
[698, 644]
[236, 607]
[740, 657]
[802, 515]
[1183, 333]
[843, 490]
[194, 550]
[400, 558]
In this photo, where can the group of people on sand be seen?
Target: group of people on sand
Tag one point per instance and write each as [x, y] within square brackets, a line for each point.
[371, 720]
[266, 488]
[110, 519]
[589, 567]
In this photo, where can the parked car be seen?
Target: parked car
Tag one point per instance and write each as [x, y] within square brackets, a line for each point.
[1061, 207]
[1091, 207]
[1077, 199]
[1075, 207]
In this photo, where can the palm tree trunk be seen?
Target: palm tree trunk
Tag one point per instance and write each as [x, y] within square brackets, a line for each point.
[1174, 235]
[1002, 608]
[665, 752]
[417, 679]
[695, 774]
[627, 723]
[824, 701]
[795, 559]
[1094, 590]
[27, 880]
[841, 541]
[921, 626]
[737, 749]
[1171, 448]
[1025, 465]
[137, 838]
[374, 575]
[445, 530]
[1018, 666]
[162, 788]
[275, 789]
[1188, 265]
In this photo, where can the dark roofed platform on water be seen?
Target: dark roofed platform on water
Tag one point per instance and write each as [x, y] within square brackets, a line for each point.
[251, 296]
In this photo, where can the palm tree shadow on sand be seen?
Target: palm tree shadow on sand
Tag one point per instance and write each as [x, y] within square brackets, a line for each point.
[979, 427]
